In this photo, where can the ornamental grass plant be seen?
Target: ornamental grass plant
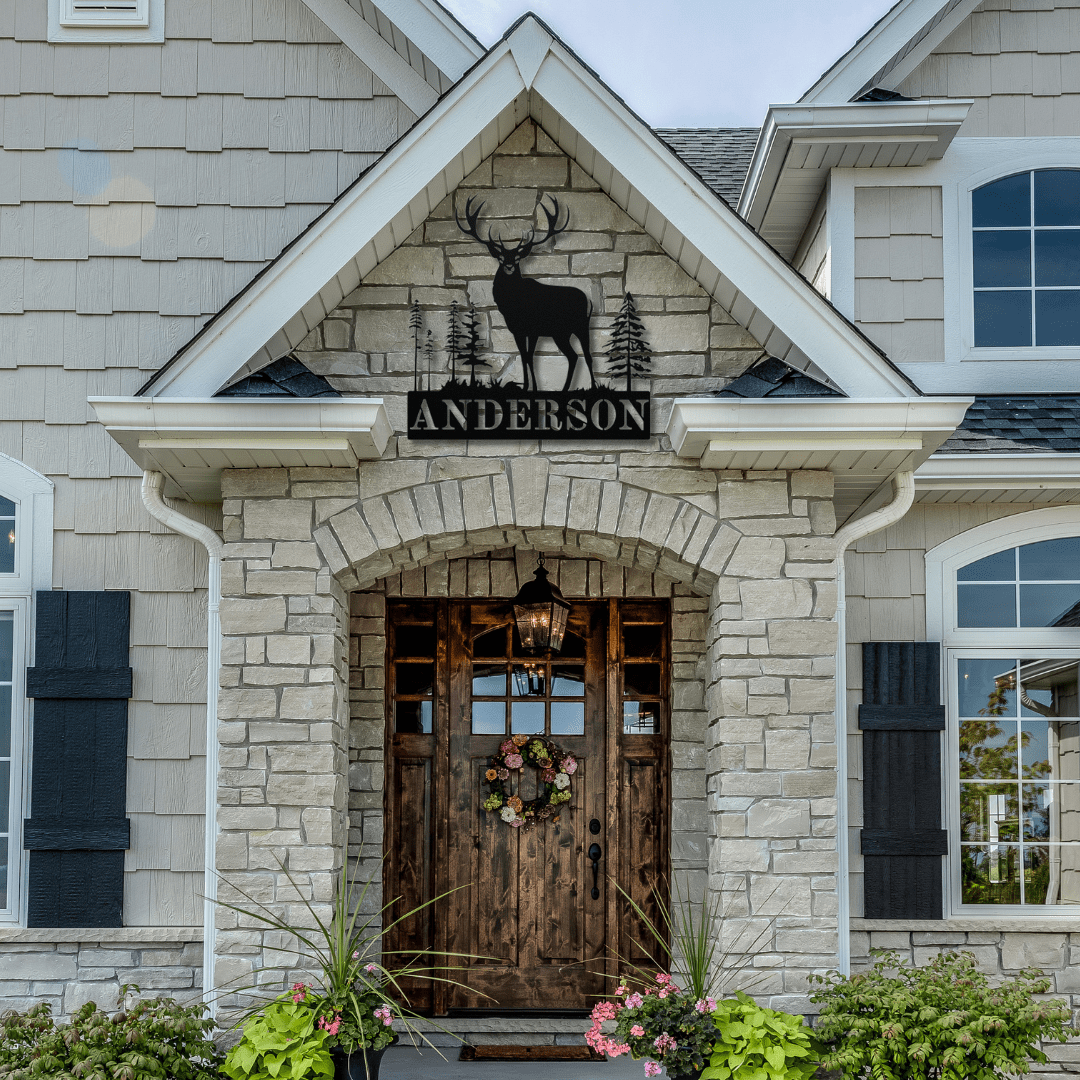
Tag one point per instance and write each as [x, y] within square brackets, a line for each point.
[943, 1021]
[356, 993]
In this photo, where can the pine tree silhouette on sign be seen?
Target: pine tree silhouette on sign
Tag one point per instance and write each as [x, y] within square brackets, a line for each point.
[415, 325]
[470, 348]
[454, 341]
[628, 353]
[429, 359]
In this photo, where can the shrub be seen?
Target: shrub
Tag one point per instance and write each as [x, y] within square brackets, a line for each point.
[756, 1043]
[156, 1039]
[944, 1021]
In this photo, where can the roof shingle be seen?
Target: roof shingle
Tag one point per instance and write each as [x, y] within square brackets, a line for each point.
[720, 156]
[1018, 424]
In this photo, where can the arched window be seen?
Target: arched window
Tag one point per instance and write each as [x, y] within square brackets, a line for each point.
[1025, 238]
[1009, 617]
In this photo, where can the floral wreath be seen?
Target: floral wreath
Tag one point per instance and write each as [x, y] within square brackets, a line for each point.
[556, 767]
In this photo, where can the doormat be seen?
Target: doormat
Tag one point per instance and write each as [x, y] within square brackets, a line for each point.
[528, 1053]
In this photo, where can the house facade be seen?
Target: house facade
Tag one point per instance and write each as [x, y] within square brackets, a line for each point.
[322, 326]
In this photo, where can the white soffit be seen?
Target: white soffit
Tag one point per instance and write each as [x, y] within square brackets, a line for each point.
[890, 50]
[800, 144]
[860, 442]
[192, 440]
[529, 74]
[999, 472]
[435, 32]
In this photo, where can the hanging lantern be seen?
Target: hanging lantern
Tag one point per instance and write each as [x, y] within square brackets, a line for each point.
[540, 613]
[529, 680]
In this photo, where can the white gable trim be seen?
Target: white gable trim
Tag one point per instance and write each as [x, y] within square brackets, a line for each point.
[379, 55]
[435, 32]
[529, 73]
[892, 48]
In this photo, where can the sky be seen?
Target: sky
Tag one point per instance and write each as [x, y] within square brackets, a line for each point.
[694, 63]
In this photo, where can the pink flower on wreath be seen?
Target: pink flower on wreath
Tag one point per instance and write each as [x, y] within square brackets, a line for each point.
[568, 765]
[503, 774]
[507, 747]
[637, 1031]
[652, 1068]
[385, 1015]
[516, 823]
[548, 776]
[664, 1043]
[634, 1001]
[704, 1005]
[514, 761]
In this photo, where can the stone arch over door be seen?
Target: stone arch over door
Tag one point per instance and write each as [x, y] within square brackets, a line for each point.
[302, 540]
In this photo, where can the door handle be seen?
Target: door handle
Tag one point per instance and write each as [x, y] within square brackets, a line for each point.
[595, 853]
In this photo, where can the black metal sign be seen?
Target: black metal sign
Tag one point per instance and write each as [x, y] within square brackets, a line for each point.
[500, 412]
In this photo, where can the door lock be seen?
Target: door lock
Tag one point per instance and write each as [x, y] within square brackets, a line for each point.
[595, 853]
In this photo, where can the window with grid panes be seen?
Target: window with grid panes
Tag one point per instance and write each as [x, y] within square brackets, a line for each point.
[1026, 259]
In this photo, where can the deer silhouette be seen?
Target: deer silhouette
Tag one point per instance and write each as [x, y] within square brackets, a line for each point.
[530, 309]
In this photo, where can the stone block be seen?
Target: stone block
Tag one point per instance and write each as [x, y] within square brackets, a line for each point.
[102, 994]
[597, 262]
[677, 333]
[801, 637]
[252, 616]
[314, 758]
[38, 966]
[772, 895]
[297, 789]
[804, 862]
[281, 582]
[778, 817]
[658, 275]
[781, 598]
[237, 704]
[763, 498]
[409, 266]
[757, 557]
[277, 519]
[812, 695]
[241, 483]
[526, 171]
[787, 749]
[810, 484]
[1033, 950]
[733, 855]
[307, 702]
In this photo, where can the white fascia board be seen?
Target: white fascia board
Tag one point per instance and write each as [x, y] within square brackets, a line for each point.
[245, 423]
[435, 32]
[759, 273]
[877, 48]
[949, 472]
[253, 317]
[379, 55]
[804, 422]
[937, 120]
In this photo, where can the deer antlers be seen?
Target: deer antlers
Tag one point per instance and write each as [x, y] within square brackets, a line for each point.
[525, 244]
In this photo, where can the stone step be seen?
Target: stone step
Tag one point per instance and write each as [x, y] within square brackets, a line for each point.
[501, 1030]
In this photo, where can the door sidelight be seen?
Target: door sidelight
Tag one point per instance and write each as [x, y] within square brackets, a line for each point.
[595, 854]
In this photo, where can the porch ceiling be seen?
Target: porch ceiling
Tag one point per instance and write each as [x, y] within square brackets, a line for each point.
[192, 440]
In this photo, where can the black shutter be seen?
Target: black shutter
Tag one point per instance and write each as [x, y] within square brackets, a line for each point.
[77, 832]
[901, 719]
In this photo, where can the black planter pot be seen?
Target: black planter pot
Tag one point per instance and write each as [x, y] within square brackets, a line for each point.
[352, 1066]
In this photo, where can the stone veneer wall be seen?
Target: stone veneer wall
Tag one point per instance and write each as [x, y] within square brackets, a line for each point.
[40, 966]
[299, 541]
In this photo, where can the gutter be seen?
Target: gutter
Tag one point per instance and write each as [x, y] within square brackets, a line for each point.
[892, 512]
[152, 485]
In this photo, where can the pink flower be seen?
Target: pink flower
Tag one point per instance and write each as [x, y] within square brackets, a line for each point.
[652, 1068]
[514, 761]
[662, 979]
[371, 967]
[516, 823]
[637, 1031]
[356, 955]
[603, 1010]
[507, 747]
[330, 1026]
[634, 1001]
[384, 1015]
[568, 765]
[299, 991]
[665, 1042]
[620, 991]
[663, 992]
[503, 774]
[704, 1005]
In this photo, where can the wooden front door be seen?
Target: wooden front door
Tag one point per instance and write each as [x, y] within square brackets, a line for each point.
[523, 898]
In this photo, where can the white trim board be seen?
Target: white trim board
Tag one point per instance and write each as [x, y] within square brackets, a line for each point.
[435, 32]
[1001, 472]
[529, 74]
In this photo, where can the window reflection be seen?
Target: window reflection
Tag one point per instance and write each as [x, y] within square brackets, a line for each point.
[1034, 585]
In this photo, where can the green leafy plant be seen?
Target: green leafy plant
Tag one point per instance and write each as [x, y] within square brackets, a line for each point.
[156, 1039]
[281, 1043]
[356, 994]
[755, 1043]
[943, 1021]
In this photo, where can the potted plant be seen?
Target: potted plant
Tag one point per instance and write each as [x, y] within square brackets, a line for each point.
[944, 1021]
[340, 1024]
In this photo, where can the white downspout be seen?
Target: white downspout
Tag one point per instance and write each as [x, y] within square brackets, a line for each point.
[152, 485]
[903, 497]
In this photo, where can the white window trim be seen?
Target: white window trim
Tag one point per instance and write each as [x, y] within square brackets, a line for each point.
[969, 163]
[62, 30]
[942, 563]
